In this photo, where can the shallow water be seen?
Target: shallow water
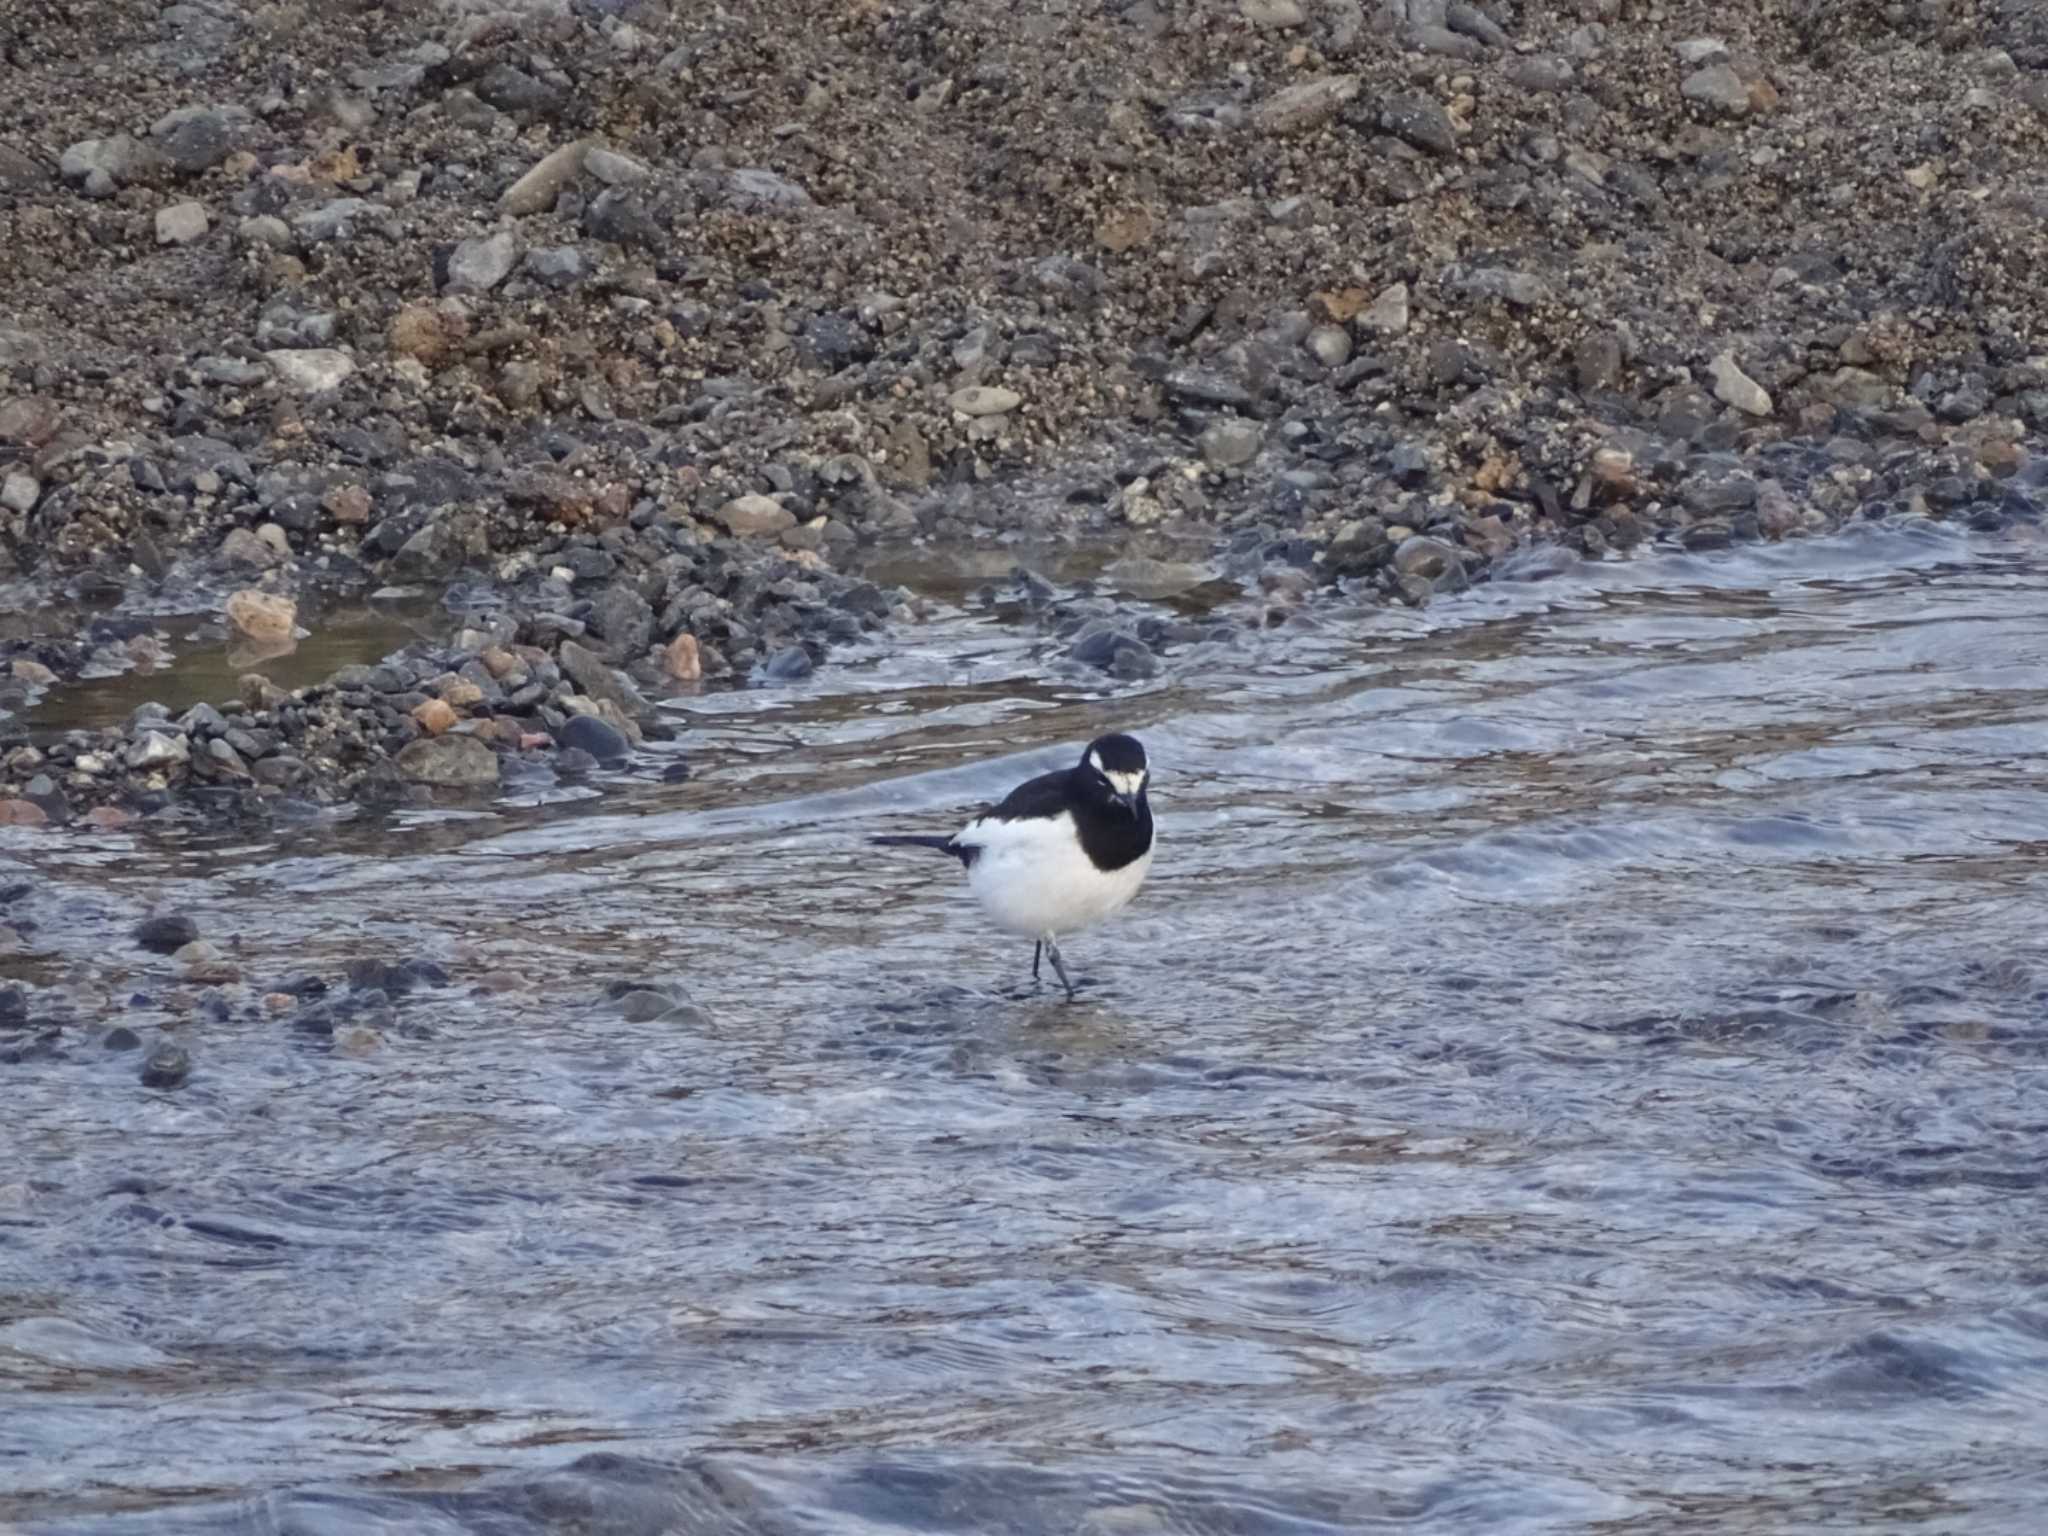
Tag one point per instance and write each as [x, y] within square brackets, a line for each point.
[1579, 1064]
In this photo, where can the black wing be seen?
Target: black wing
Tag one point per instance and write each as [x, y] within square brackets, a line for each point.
[1047, 795]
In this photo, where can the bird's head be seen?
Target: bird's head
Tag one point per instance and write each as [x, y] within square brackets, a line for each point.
[1115, 765]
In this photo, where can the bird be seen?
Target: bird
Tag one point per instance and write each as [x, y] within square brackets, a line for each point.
[1059, 852]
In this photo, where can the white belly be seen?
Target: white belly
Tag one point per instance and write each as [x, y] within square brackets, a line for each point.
[1033, 879]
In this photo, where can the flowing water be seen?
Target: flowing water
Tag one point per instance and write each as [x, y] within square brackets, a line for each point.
[1578, 1065]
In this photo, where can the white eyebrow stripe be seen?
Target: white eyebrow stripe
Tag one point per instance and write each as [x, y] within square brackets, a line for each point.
[1095, 760]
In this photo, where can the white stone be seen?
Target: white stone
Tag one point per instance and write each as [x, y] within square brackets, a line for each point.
[1734, 387]
[311, 370]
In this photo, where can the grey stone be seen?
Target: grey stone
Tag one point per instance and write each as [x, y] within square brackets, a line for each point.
[1519, 288]
[1540, 72]
[119, 161]
[752, 190]
[753, 515]
[1231, 442]
[984, 400]
[558, 266]
[312, 370]
[450, 762]
[479, 265]
[181, 224]
[1473, 22]
[536, 191]
[1734, 387]
[158, 749]
[1422, 122]
[623, 618]
[19, 491]
[167, 1065]
[165, 933]
[335, 220]
[1306, 105]
[588, 671]
[601, 740]
[615, 169]
[199, 138]
[1717, 86]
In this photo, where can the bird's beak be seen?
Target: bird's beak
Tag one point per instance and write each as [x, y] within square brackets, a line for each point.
[1130, 801]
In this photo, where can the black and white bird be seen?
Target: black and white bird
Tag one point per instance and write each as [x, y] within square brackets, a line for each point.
[1062, 851]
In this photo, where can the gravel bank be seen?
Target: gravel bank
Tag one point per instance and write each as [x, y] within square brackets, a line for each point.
[635, 323]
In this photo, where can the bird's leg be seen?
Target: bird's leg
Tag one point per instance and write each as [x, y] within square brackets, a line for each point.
[1035, 949]
[1052, 953]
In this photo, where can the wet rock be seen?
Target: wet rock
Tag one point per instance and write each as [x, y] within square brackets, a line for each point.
[435, 716]
[22, 813]
[589, 734]
[682, 660]
[165, 933]
[158, 749]
[167, 1065]
[451, 762]
[181, 224]
[121, 1038]
[478, 266]
[263, 616]
[1734, 387]
[590, 673]
[1431, 562]
[1231, 442]
[788, 665]
[623, 619]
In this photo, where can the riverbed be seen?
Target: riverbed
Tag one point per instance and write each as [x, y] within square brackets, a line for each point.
[1578, 1064]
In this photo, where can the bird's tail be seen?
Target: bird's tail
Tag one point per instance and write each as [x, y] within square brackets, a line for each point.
[940, 844]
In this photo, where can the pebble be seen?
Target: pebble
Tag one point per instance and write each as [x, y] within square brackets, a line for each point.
[199, 138]
[1718, 87]
[104, 164]
[754, 515]
[479, 265]
[311, 370]
[165, 933]
[257, 615]
[435, 716]
[984, 400]
[682, 660]
[1272, 15]
[1734, 387]
[452, 762]
[22, 813]
[158, 749]
[166, 1066]
[1330, 345]
[1231, 442]
[1387, 315]
[1306, 105]
[558, 266]
[615, 169]
[789, 664]
[19, 491]
[181, 224]
[536, 191]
